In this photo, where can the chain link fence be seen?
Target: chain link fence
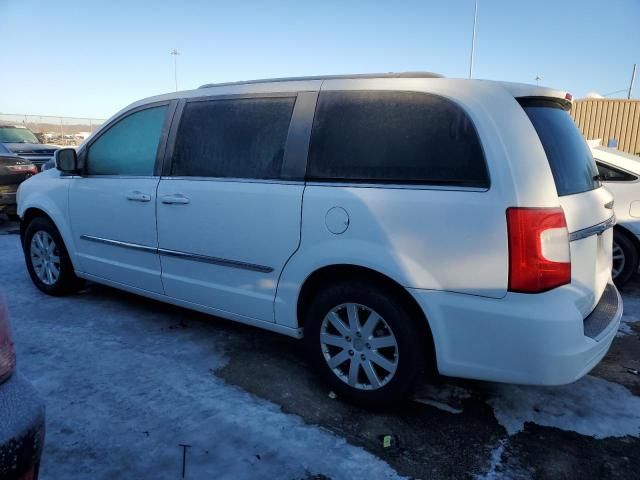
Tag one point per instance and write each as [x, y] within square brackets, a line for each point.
[60, 131]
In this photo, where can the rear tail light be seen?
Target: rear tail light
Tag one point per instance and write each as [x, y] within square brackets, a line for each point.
[539, 257]
[24, 169]
[7, 352]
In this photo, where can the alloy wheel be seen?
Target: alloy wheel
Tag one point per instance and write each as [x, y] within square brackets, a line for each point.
[45, 257]
[359, 346]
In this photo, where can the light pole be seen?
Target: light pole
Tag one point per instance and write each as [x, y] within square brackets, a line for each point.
[473, 39]
[175, 54]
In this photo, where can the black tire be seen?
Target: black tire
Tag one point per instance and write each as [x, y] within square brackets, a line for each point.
[67, 281]
[630, 257]
[399, 319]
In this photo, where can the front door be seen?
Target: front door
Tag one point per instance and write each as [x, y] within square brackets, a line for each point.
[112, 206]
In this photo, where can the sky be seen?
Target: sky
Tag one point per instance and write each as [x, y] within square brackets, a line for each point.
[91, 58]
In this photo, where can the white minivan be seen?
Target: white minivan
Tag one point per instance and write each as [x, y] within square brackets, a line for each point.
[400, 223]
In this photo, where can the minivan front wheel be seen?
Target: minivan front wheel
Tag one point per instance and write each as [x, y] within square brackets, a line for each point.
[364, 343]
[48, 262]
[624, 259]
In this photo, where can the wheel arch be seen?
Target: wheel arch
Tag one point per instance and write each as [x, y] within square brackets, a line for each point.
[328, 273]
[28, 215]
[629, 234]
[34, 211]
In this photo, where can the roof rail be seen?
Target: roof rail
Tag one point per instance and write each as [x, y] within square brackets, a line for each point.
[330, 77]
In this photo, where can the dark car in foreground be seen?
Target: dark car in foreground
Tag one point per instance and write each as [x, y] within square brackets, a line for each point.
[21, 141]
[22, 420]
[13, 171]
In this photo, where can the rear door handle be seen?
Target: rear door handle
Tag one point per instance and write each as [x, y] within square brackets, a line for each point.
[176, 198]
[137, 196]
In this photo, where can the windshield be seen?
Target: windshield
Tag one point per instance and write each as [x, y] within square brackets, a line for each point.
[571, 162]
[17, 135]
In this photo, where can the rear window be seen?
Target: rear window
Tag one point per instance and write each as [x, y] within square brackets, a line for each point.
[572, 165]
[394, 137]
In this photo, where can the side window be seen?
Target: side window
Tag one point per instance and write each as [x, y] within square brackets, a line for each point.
[394, 137]
[239, 138]
[611, 174]
[130, 146]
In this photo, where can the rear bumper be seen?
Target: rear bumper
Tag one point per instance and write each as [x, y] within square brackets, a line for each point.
[537, 339]
[22, 426]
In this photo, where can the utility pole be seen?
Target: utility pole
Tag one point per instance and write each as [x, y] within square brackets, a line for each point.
[538, 78]
[633, 77]
[473, 38]
[175, 54]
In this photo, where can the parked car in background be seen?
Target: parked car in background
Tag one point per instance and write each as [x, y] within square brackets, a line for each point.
[399, 222]
[48, 165]
[22, 414]
[13, 171]
[21, 141]
[620, 173]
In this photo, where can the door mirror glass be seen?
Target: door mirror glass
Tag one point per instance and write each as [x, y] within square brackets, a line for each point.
[66, 160]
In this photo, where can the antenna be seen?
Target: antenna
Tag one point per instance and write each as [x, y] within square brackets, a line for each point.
[175, 54]
[473, 39]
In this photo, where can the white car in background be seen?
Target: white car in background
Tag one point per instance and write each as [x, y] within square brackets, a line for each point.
[620, 173]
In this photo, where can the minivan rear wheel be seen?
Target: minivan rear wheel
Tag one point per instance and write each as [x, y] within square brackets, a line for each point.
[624, 259]
[47, 259]
[364, 343]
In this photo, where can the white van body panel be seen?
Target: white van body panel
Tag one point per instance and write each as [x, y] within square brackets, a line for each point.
[404, 233]
[526, 339]
[584, 210]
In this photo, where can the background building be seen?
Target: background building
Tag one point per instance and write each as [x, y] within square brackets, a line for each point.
[610, 120]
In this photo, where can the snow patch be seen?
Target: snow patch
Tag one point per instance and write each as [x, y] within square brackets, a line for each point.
[501, 468]
[127, 381]
[591, 406]
[496, 458]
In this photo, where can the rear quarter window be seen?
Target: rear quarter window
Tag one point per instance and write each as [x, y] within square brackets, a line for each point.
[572, 165]
[394, 137]
[612, 174]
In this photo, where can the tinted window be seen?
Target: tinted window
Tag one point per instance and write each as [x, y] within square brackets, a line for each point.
[610, 174]
[130, 146]
[394, 137]
[17, 135]
[241, 138]
[569, 156]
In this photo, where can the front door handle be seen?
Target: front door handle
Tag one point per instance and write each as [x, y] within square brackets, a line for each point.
[137, 196]
[176, 198]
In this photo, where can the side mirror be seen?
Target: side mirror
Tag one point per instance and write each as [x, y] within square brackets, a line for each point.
[67, 160]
